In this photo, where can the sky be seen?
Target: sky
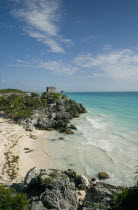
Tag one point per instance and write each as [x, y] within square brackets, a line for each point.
[75, 45]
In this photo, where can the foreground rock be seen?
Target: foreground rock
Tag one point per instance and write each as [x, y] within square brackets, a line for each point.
[55, 189]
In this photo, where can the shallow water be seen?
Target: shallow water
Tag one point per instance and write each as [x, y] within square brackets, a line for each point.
[106, 139]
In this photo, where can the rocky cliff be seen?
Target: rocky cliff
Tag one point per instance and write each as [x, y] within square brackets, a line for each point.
[56, 114]
[48, 111]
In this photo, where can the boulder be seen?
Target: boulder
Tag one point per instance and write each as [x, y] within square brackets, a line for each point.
[28, 124]
[82, 182]
[99, 196]
[37, 205]
[103, 175]
[69, 132]
[54, 189]
[72, 127]
[31, 177]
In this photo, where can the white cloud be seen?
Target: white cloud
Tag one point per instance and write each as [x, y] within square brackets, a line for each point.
[59, 67]
[121, 64]
[41, 21]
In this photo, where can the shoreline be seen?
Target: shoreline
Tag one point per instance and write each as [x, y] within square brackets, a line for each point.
[20, 150]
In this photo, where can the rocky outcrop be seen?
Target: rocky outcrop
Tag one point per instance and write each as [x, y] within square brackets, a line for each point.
[103, 175]
[56, 114]
[56, 189]
[100, 197]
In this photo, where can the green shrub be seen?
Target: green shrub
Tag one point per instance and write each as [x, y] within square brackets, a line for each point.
[22, 106]
[126, 199]
[12, 91]
[53, 174]
[55, 96]
[34, 95]
[19, 106]
[10, 200]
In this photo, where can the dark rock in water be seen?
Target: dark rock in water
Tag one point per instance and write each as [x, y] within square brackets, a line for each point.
[61, 138]
[56, 139]
[93, 179]
[53, 139]
[62, 130]
[103, 175]
[72, 127]
[69, 132]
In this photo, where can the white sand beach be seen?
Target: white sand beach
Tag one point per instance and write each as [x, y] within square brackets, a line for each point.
[20, 151]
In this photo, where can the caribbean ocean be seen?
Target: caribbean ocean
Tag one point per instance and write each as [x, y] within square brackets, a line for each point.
[106, 138]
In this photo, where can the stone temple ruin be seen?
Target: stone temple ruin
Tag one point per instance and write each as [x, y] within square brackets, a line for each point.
[51, 90]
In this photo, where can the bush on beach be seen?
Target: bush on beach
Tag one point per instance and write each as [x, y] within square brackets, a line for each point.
[11, 200]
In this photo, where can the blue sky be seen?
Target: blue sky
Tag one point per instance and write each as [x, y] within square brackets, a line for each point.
[75, 45]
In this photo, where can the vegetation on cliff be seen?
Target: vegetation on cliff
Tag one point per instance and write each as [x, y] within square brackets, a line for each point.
[22, 106]
[12, 91]
[126, 199]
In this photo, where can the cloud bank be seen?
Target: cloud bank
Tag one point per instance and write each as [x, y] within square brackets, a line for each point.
[121, 64]
[116, 65]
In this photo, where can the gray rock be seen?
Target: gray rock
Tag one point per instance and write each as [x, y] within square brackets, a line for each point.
[28, 124]
[58, 199]
[31, 177]
[82, 182]
[37, 206]
[56, 189]
[100, 196]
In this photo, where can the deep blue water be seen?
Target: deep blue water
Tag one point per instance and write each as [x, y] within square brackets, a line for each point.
[106, 139]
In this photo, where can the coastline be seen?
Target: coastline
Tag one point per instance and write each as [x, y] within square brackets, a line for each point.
[20, 151]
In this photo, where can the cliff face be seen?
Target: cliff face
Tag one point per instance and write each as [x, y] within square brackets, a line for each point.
[55, 115]
[49, 111]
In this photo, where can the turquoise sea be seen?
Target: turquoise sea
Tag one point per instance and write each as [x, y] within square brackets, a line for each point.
[106, 139]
